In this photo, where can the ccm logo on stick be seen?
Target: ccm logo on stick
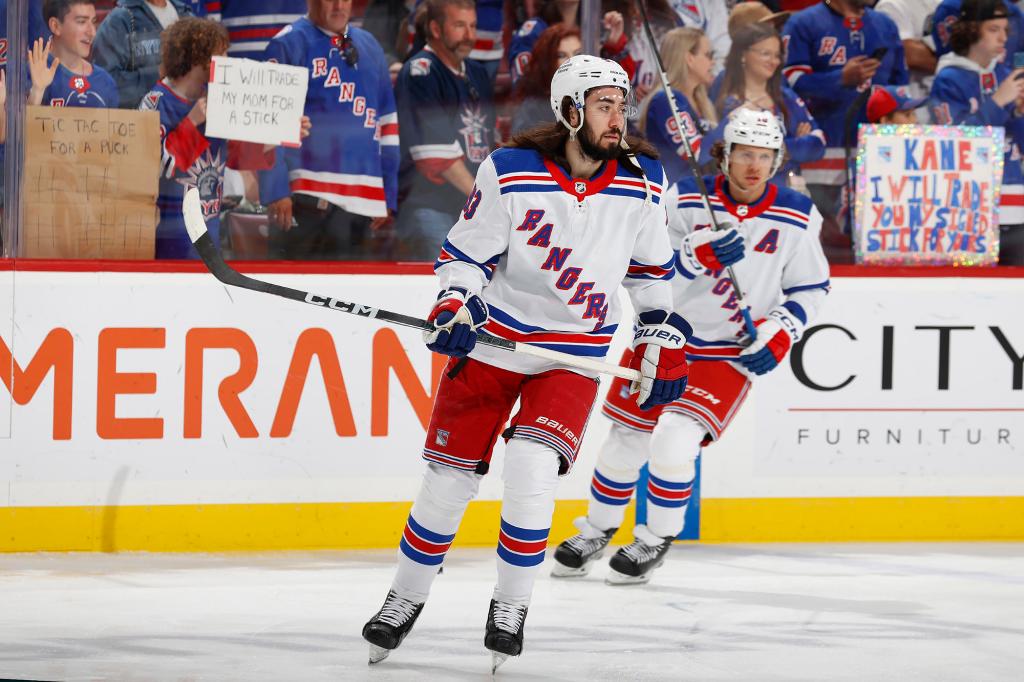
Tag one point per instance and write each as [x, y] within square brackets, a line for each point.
[344, 306]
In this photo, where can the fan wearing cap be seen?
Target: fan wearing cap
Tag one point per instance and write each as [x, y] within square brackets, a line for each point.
[973, 88]
[889, 105]
[835, 51]
[555, 224]
[769, 235]
[949, 12]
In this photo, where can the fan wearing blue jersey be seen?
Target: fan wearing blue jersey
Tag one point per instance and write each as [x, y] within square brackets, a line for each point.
[554, 224]
[972, 88]
[835, 51]
[251, 25]
[445, 103]
[188, 157]
[341, 187]
[753, 79]
[770, 236]
[61, 73]
[689, 63]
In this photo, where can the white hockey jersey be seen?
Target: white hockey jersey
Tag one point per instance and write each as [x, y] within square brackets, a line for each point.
[784, 263]
[547, 253]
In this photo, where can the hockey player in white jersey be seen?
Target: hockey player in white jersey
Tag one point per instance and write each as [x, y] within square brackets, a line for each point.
[770, 237]
[556, 222]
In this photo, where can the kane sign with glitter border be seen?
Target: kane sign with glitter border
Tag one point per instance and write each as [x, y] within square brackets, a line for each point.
[928, 195]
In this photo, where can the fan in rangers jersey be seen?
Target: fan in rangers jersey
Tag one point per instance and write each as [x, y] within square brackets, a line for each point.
[785, 277]
[555, 223]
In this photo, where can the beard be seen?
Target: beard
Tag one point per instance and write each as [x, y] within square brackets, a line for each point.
[594, 150]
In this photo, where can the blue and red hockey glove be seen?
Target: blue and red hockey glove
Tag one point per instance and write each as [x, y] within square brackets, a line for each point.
[710, 249]
[658, 353]
[457, 316]
[776, 334]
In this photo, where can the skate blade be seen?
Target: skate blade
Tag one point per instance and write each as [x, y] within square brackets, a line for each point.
[616, 578]
[563, 571]
[496, 661]
[378, 653]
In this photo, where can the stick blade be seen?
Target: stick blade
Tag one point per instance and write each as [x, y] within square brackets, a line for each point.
[192, 210]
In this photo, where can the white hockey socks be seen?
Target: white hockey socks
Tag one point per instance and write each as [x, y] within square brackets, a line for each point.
[431, 527]
[675, 445]
[615, 476]
[531, 477]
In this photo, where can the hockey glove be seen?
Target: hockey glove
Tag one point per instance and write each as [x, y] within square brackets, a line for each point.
[658, 354]
[457, 316]
[710, 249]
[775, 335]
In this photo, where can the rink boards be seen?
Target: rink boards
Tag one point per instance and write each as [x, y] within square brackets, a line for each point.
[150, 408]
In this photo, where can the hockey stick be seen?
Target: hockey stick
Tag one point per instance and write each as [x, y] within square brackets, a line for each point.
[748, 321]
[196, 225]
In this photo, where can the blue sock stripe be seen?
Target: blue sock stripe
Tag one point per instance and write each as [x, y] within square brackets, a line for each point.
[429, 534]
[419, 557]
[523, 560]
[661, 502]
[669, 485]
[604, 499]
[524, 534]
[613, 484]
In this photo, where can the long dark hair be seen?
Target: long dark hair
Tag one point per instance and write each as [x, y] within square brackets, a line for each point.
[536, 80]
[734, 82]
[549, 140]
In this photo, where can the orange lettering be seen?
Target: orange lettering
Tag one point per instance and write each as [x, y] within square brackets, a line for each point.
[196, 342]
[929, 160]
[110, 383]
[388, 355]
[965, 155]
[312, 342]
[57, 351]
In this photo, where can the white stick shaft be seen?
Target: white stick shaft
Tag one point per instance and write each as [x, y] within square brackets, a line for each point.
[580, 363]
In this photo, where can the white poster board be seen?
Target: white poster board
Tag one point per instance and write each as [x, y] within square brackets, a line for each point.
[928, 195]
[256, 101]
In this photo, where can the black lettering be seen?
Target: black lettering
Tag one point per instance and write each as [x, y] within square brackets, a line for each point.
[944, 432]
[891, 436]
[862, 436]
[829, 440]
[1017, 360]
[796, 359]
[801, 434]
[887, 356]
[1003, 436]
[944, 334]
[973, 442]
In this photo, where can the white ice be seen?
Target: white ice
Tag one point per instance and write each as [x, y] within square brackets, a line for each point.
[713, 612]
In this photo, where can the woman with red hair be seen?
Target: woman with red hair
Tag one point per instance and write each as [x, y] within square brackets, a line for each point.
[533, 90]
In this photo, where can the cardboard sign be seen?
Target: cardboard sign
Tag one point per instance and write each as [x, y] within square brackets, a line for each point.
[256, 101]
[928, 195]
[91, 182]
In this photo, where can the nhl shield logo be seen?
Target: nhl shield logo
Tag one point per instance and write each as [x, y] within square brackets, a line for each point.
[581, 187]
[441, 437]
[742, 210]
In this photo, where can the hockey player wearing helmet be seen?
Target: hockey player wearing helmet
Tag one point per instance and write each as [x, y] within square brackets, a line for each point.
[556, 222]
[770, 237]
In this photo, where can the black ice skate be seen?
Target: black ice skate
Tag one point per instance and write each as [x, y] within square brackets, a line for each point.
[386, 630]
[504, 635]
[634, 563]
[576, 556]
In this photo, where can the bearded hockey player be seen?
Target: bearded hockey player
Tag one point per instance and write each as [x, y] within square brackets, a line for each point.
[556, 222]
[770, 237]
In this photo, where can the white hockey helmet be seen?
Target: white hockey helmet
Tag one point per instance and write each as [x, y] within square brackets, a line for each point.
[755, 129]
[581, 73]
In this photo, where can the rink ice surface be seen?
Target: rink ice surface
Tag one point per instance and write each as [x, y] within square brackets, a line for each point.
[713, 612]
